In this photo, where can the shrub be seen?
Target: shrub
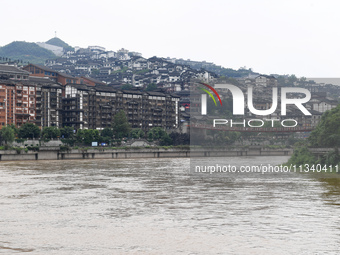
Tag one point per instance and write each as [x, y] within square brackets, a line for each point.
[65, 148]
[20, 140]
[18, 150]
[302, 156]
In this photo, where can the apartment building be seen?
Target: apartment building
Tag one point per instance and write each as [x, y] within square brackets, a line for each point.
[94, 107]
[48, 102]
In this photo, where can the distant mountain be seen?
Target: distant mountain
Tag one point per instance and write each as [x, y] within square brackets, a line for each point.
[58, 42]
[25, 51]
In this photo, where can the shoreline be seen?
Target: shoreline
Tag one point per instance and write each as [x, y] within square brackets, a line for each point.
[49, 153]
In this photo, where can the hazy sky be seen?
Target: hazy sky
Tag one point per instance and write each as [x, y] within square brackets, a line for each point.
[276, 36]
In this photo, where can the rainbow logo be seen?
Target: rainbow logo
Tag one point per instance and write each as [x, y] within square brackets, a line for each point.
[209, 93]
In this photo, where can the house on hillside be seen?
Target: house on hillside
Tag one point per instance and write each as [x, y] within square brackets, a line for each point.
[266, 81]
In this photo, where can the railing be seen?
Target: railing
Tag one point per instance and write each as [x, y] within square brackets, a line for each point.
[252, 129]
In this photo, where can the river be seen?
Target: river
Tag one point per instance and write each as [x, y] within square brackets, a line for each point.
[154, 206]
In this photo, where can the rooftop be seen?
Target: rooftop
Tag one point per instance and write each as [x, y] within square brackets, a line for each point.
[11, 69]
[43, 68]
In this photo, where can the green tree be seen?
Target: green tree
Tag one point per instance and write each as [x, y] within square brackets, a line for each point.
[50, 132]
[303, 79]
[80, 136]
[121, 127]
[151, 87]
[107, 132]
[16, 130]
[301, 156]
[106, 135]
[29, 130]
[95, 71]
[327, 132]
[275, 124]
[67, 132]
[331, 158]
[291, 79]
[180, 139]
[127, 87]
[225, 137]
[158, 133]
[226, 110]
[211, 107]
[87, 136]
[137, 133]
[7, 134]
[166, 140]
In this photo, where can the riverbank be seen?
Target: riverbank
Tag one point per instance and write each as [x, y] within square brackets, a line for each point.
[58, 153]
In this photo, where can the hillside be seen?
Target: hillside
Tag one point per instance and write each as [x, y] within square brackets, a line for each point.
[229, 72]
[25, 51]
[219, 70]
[31, 52]
[58, 42]
[327, 133]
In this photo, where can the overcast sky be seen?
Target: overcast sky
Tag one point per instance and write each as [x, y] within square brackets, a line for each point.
[283, 37]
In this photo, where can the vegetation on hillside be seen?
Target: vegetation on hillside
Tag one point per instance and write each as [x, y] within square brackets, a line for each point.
[327, 135]
[219, 70]
[26, 52]
[58, 42]
[229, 72]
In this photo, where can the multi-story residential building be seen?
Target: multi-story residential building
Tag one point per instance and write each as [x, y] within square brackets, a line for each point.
[17, 101]
[28, 99]
[49, 102]
[78, 107]
[18, 104]
[7, 102]
[88, 107]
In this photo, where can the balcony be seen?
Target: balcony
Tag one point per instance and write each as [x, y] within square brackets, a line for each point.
[65, 105]
[73, 122]
[22, 114]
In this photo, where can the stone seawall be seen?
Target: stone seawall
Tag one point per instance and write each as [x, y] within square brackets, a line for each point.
[55, 154]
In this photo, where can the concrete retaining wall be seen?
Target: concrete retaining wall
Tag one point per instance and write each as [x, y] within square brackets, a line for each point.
[50, 153]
